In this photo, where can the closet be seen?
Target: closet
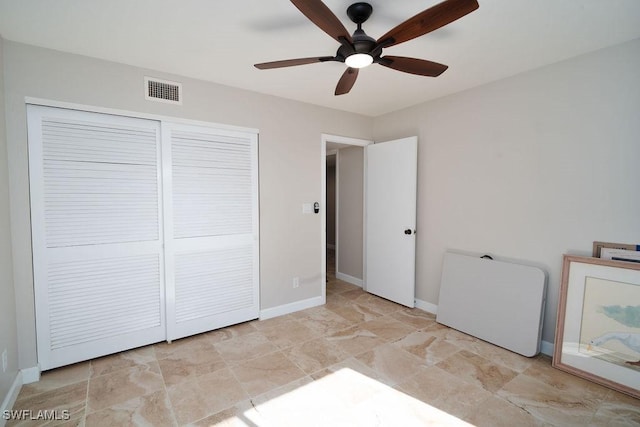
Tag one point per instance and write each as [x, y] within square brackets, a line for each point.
[142, 230]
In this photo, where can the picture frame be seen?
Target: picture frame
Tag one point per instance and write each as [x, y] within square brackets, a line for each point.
[620, 255]
[598, 246]
[598, 325]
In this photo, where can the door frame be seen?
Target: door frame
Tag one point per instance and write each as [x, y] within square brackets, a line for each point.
[324, 139]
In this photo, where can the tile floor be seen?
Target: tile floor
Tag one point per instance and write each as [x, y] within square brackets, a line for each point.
[357, 361]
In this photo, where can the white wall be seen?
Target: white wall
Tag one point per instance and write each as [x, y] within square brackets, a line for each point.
[350, 211]
[529, 167]
[289, 150]
[8, 337]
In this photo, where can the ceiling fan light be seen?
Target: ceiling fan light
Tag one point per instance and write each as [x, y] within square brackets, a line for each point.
[359, 60]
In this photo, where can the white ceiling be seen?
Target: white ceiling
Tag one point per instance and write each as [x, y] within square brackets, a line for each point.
[219, 41]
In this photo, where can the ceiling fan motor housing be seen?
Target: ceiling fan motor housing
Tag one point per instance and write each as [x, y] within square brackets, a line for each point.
[359, 12]
[362, 43]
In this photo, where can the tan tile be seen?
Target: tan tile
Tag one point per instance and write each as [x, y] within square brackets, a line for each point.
[457, 338]
[387, 328]
[355, 340]
[164, 349]
[350, 364]
[204, 396]
[378, 304]
[339, 286]
[353, 294]
[326, 402]
[265, 373]
[190, 360]
[231, 332]
[276, 393]
[444, 391]
[57, 378]
[122, 385]
[427, 347]
[415, 317]
[497, 412]
[547, 403]
[72, 422]
[273, 323]
[355, 313]
[322, 320]
[152, 409]
[241, 415]
[496, 354]
[391, 407]
[125, 359]
[477, 370]
[244, 347]
[337, 301]
[542, 370]
[617, 410]
[301, 403]
[38, 420]
[314, 355]
[392, 363]
[289, 334]
[64, 402]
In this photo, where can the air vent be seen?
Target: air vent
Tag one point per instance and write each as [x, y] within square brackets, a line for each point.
[162, 90]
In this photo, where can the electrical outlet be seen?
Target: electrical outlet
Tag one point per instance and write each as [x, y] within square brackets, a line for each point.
[4, 360]
[296, 282]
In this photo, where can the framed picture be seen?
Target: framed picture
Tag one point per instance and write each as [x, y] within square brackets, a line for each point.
[620, 255]
[598, 328]
[598, 246]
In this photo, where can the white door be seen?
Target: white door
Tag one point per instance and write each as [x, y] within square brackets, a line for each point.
[211, 227]
[390, 224]
[96, 231]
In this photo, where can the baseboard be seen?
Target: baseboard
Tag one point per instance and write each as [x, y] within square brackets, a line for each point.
[349, 279]
[426, 306]
[281, 310]
[11, 397]
[330, 246]
[30, 375]
[546, 348]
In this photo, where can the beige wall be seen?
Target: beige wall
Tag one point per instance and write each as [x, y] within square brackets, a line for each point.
[529, 167]
[350, 211]
[8, 334]
[331, 204]
[289, 151]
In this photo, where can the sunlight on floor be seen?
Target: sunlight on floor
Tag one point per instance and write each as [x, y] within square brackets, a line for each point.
[342, 398]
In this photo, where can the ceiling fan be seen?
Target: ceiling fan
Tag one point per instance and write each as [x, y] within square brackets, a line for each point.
[359, 50]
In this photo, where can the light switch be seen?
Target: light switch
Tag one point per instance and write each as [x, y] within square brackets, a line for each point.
[307, 208]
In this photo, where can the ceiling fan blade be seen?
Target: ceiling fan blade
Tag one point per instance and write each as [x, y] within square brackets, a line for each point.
[429, 20]
[421, 67]
[346, 81]
[321, 15]
[293, 62]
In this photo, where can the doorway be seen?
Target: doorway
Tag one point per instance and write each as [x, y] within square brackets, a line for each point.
[343, 233]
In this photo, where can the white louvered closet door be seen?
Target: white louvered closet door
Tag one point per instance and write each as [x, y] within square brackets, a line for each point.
[96, 232]
[211, 228]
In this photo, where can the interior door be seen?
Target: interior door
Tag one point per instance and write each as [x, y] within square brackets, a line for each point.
[390, 224]
[96, 229]
[211, 227]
